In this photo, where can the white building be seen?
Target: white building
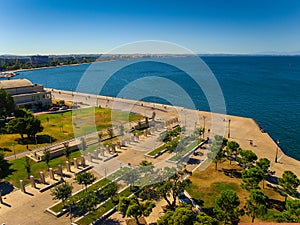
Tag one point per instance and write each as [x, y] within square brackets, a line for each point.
[26, 94]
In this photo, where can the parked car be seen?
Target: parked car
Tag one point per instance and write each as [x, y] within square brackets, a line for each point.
[64, 107]
[54, 109]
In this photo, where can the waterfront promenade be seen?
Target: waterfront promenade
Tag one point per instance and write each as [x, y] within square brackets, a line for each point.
[30, 208]
[243, 130]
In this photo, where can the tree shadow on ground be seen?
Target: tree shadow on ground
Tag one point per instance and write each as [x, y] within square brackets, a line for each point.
[272, 179]
[233, 173]
[5, 149]
[6, 188]
[209, 211]
[193, 161]
[40, 139]
[110, 221]
[276, 204]
[5, 169]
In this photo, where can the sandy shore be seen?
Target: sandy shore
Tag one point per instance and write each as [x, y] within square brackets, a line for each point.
[241, 129]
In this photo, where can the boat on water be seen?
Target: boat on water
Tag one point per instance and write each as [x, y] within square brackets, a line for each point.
[8, 75]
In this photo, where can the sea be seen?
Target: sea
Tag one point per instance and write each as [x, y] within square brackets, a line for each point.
[265, 88]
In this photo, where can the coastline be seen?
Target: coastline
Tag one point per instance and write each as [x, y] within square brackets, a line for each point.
[51, 67]
[43, 68]
[242, 129]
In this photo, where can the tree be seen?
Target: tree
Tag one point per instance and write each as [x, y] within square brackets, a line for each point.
[184, 214]
[33, 126]
[264, 165]
[7, 104]
[100, 135]
[134, 208]
[25, 123]
[4, 166]
[226, 207]
[27, 166]
[251, 178]
[83, 143]
[216, 153]
[256, 204]
[131, 177]
[110, 190]
[62, 192]
[291, 213]
[153, 115]
[123, 205]
[110, 132]
[85, 178]
[47, 157]
[289, 183]
[67, 150]
[203, 219]
[88, 203]
[246, 158]
[232, 150]
[122, 129]
[146, 167]
[173, 187]
[199, 131]
[17, 125]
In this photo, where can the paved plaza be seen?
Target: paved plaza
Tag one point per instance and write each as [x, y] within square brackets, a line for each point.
[29, 208]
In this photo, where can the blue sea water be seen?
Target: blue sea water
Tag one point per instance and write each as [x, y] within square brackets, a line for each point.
[265, 88]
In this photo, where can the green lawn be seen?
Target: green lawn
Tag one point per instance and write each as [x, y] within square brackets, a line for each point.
[208, 184]
[91, 217]
[163, 147]
[186, 150]
[157, 150]
[59, 127]
[96, 186]
[19, 173]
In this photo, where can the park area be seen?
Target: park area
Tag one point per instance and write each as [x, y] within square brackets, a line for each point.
[207, 185]
[60, 126]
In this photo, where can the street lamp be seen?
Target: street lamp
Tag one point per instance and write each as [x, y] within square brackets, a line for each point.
[276, 156]
[204, 117]
[229, 128]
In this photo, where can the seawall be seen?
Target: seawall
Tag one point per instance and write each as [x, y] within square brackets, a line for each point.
[245, 131]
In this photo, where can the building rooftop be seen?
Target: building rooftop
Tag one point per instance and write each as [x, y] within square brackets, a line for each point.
[6, 84]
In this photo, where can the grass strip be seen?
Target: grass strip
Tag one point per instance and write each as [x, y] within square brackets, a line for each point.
[185, 151]
[104, 208]
[96, 186]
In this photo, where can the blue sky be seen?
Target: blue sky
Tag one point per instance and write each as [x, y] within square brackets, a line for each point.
[204, 26]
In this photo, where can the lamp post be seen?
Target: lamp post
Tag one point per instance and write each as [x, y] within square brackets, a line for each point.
[276, 156]
[204, 117]
[229, 128]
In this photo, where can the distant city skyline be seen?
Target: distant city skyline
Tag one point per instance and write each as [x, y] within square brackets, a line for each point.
[93, 27]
